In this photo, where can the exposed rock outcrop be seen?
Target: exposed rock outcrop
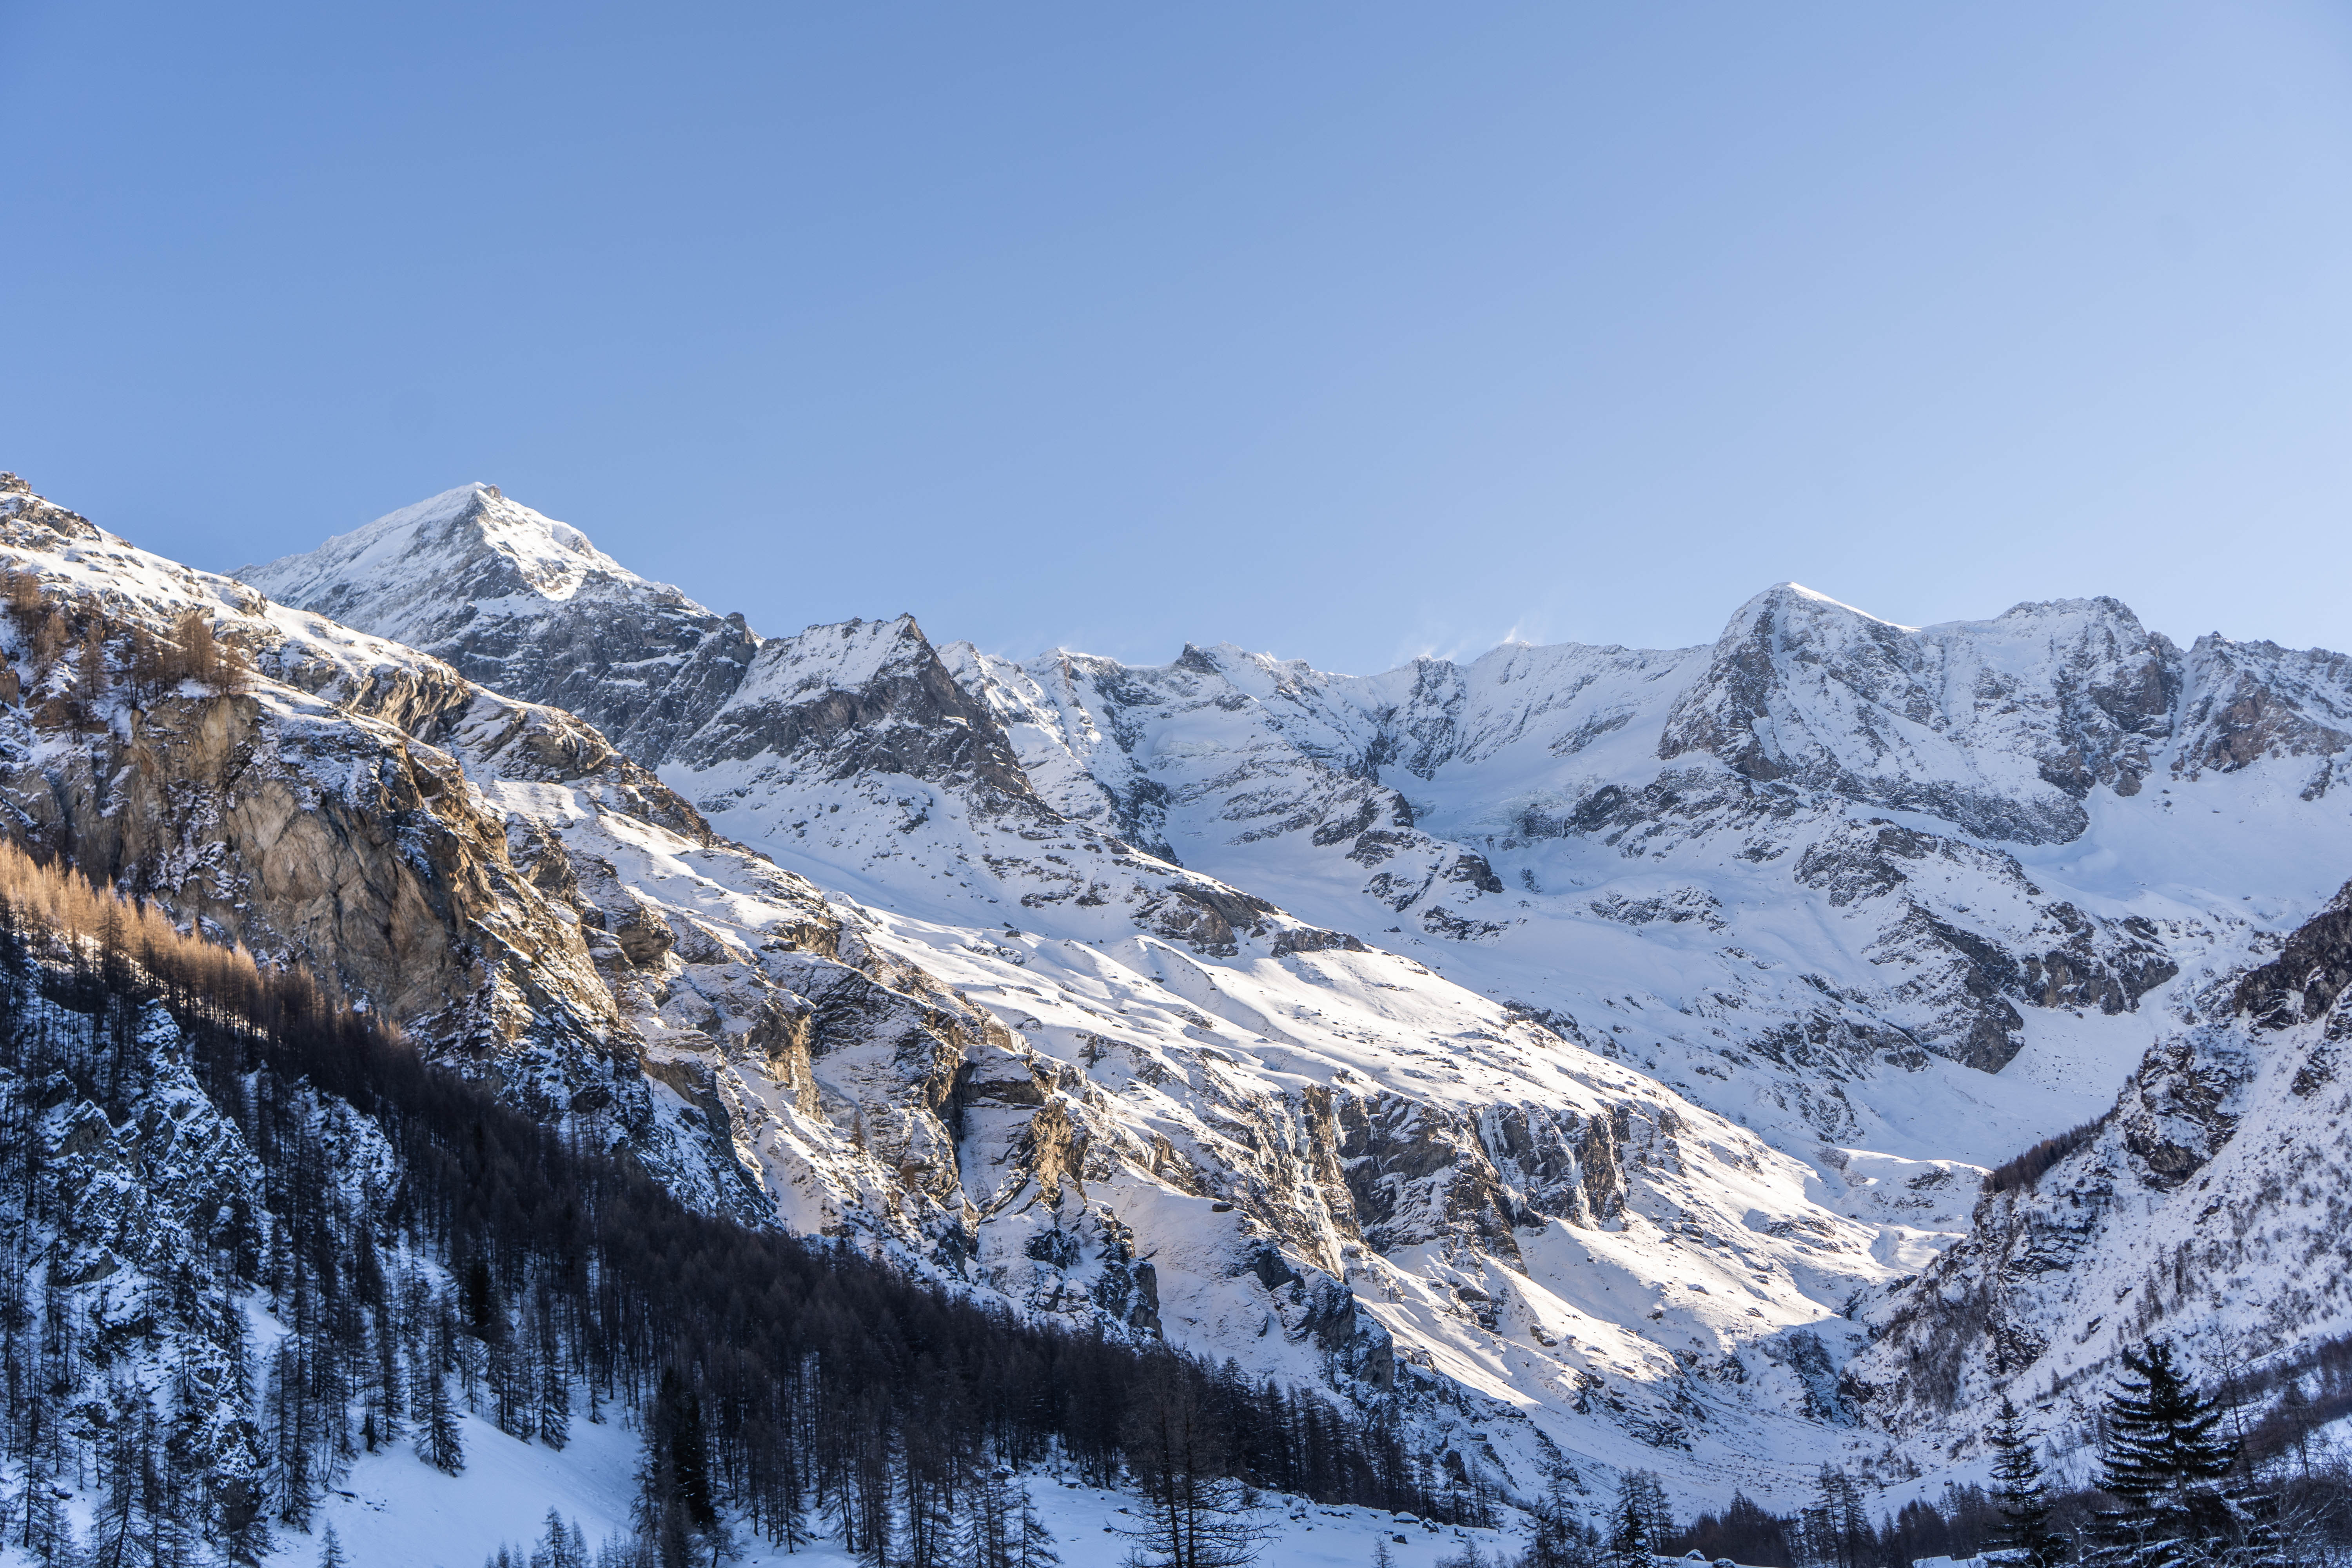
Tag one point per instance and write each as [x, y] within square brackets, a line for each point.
[2216, 1183]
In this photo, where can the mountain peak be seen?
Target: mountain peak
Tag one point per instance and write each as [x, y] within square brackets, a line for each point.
[1794, 600]
[399, 569]
[858, 697]
[520, 601]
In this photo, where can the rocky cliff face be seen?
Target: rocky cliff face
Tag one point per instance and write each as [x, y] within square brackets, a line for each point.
[860, 698]
[2251, 702]
[2001, 728]
[446, 857]
[2209, 1206]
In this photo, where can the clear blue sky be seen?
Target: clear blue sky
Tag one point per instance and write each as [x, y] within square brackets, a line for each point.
[1345, 331]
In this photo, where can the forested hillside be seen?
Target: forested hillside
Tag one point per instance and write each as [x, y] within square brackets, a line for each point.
[191, 1144]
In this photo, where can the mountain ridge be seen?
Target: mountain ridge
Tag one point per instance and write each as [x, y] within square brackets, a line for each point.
[2052, 708]
[1858, 908]
[1133, 1098]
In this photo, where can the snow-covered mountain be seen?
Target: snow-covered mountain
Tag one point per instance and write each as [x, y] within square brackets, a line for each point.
[1845, 853]
[2210, 1206]
[1898, 901]
[1727, 864]
[1589, 1054]
[1008, 1048]
[518, 601]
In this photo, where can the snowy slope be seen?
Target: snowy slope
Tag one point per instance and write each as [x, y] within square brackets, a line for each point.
[1726, 863]
[396, 1511]
[1034, 1061]
[2210, 1206]
[1543, 1228]
[1870, 906]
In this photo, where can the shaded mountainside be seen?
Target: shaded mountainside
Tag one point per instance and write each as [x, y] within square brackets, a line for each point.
[2211, 1205]
[248, 1243]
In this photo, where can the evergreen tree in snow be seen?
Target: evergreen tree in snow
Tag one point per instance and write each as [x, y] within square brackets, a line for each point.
[554, 1390]
[2018, 1490]
[560, 1545]
[46, 1534]
[990, 1528]
[439, 1443]
[240, 1524]
[1032, 1543]
[1633, 1534]
[1003, 1530]
[1556, 1537]
[2161, 1440]
[1837, 1524]
[1196, 1514]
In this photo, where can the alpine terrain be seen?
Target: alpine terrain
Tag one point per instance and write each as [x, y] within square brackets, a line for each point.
[1509, 1088]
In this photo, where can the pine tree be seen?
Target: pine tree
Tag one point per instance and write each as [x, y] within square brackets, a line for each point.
[49, 638]
[1554, 1537]
[331, 1550]
[90, 678]
[677, 1438]
[560, 1545]
[239, 1506]
[114, 1523]
[513, 1387]
[1650, 1495]
[1032, 1543]
[554, 1391]
[2160, 1441]
[989, 1527]
[2018, 1491]
[440, 1445]
[1837, 1524]
[2295, 1412]
[1199, 1514]
[48, 1533]
[170, 1478]
[1631, 1542]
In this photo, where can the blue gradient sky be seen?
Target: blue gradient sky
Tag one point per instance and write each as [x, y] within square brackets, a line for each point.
[1345, 331]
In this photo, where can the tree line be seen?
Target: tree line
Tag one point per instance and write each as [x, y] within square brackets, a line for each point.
[2026, 1169]
[428, 1250]
[2175, 1488]
[76, 656]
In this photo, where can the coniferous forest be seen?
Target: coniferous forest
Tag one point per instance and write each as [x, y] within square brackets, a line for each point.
[185, 1135]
